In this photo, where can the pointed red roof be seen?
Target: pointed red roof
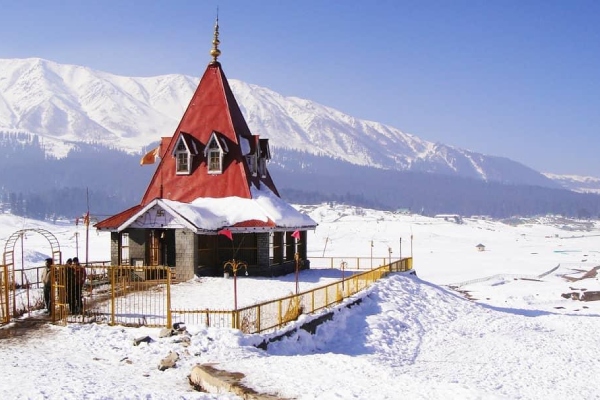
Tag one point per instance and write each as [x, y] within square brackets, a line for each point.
[212, 111]
[213, 108]
[212, 129]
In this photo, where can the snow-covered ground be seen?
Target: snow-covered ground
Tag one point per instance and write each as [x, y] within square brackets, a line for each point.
[410, 337]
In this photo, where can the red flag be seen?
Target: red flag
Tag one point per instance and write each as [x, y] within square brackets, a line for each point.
[296, 235]
[150, 157]
[226, 232]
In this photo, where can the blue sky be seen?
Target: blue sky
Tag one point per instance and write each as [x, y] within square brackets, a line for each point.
[519, 79]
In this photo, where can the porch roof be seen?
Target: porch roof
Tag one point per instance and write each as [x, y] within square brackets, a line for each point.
[265, 211]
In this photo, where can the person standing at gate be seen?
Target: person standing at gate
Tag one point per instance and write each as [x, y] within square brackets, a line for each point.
[70, 285]
[80, 276]
[47, 281]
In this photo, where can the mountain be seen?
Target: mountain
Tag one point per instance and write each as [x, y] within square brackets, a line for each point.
[67, 104]
[70, 133]
[576, 183]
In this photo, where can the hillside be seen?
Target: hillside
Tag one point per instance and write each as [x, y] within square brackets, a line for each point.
[66, 104]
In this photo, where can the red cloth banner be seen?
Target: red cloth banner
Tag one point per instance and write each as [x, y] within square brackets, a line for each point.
[226, 232]
[296, 235]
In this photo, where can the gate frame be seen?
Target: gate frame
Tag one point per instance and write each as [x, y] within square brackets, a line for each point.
[8, 258]
[4, 311]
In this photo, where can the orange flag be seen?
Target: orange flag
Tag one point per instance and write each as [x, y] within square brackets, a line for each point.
[150, 157]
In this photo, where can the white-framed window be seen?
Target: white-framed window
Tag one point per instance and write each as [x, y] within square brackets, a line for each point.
[215, 152]
[182, 159]
[215, 161]
[125, 248]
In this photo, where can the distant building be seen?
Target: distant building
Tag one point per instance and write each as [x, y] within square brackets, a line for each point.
[480, 247]
[450, 217]
[211, 198]
[404, 211]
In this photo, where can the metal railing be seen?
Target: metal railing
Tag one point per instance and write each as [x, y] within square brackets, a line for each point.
[4, 297]
[126, 295]
[351, 262]
[130, 295]
[274, 314]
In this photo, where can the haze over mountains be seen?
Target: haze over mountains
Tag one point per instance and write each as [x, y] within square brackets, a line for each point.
[71, 106]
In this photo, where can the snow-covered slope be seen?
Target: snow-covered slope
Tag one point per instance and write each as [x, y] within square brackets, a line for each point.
[67, 103]
[576, 183]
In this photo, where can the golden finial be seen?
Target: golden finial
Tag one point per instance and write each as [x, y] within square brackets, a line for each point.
[215, 52]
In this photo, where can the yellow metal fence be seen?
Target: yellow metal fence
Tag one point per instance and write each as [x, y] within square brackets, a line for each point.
[116, 295]
[276, 313]
[4, 297]
[129, 295]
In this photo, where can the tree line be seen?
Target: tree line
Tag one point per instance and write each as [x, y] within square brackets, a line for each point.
[107, 180]
[319, 180]
[34, 184]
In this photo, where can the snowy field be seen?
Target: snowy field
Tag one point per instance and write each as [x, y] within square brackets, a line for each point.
[410, 337]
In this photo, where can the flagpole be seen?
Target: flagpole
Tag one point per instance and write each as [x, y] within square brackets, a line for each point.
[87, 227]
[161, 170]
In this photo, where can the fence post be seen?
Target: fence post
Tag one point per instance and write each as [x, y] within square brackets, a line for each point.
[169, 317]
[4, 290]
[113, 282]
[258, 318]
[279, 317]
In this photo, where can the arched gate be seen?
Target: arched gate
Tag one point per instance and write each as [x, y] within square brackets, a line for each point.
[11, 279]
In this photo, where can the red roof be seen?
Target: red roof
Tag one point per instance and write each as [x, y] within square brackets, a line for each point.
[212, 109]
[118, 219]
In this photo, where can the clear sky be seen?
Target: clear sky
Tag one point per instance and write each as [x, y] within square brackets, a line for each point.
[519, 79]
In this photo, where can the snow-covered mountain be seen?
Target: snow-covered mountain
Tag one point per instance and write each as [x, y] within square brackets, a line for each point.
[576, 183]
[66, 104]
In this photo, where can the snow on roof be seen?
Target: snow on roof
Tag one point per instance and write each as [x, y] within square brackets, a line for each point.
[210, 214]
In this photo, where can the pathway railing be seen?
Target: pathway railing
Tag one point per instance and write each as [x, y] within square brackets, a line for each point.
[129, 295]
[274, 314]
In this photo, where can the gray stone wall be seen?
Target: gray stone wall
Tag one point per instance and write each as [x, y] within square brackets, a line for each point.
[186, 254]
[262, 242]
[137, 245]
[114, 248]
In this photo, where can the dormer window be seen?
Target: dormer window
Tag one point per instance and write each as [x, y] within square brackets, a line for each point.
[262, 167]
[215, 162]
[214, 152]
[183, 159]
[252, 164]
[184, 150]
[265, 155]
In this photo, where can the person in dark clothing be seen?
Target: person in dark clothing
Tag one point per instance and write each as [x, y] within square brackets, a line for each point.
[70, 285]
[80, 276]
[47, 281]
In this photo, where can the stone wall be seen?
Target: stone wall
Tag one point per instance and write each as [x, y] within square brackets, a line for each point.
[137, 246]
[114, 248]
[262, 242]
[186, 254]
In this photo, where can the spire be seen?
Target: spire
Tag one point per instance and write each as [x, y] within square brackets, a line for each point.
[215, 52]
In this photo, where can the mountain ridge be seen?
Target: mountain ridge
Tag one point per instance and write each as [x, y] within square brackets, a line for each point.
[66, 104]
